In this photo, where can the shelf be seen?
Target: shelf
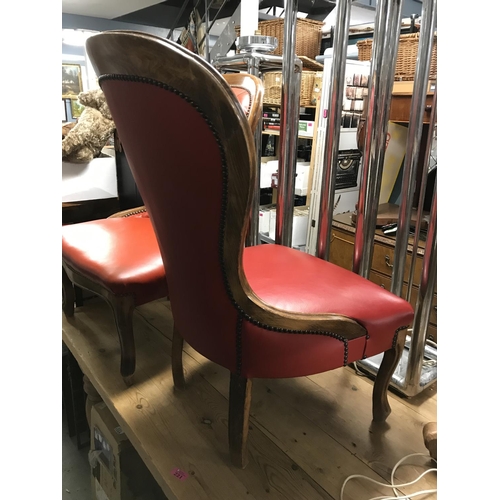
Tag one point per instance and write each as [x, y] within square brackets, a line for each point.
[267, 105]
[276, 132]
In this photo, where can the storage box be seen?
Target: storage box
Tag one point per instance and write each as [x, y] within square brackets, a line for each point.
[117, 470]
[299, 226]
[269, 168]
[306, 128]
[302, 178]
[264, 218]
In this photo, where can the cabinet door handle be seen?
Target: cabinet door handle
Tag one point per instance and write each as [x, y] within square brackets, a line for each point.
[387, 262]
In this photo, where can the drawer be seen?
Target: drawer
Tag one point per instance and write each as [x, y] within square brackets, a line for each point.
[383, 262]
[432, 333]
[341, 249]
[385, 282]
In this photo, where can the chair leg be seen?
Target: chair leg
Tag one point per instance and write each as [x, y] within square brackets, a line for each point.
[380, 402]
[240, 395]
[177, 368]
[68, 297]
[123, 311]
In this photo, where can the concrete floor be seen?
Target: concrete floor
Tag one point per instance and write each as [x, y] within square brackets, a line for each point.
[75, 467]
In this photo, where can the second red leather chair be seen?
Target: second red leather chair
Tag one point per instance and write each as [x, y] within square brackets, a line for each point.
[119, 259]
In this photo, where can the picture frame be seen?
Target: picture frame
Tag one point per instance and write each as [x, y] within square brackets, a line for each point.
[71, 80]
[64, 114]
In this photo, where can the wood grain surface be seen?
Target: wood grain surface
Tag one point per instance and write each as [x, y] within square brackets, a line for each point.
[307, 434]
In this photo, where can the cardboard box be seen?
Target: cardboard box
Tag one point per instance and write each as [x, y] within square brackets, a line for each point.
[117, 470]
[264, 217]
[306, 128]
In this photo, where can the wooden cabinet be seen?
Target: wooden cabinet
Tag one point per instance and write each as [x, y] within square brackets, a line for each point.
[342, 251]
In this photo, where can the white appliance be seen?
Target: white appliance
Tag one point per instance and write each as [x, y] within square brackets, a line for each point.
[345, 199]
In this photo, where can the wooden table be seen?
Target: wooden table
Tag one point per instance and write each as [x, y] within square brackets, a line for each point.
[307, 435]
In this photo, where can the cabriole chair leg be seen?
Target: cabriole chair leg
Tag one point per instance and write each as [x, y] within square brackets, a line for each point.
[177, 368]
[240, 395]
[68, 297]
[380, 402]
[123, 311]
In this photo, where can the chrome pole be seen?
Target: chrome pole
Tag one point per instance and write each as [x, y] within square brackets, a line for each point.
[413, 143]
[290, 92]
[207, 38]
[253, 230]
[256, 63]
[424, 304]
[332, 133]
[423, 185]
[383, 64]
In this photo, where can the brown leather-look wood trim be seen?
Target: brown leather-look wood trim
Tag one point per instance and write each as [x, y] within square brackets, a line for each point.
[127, 54]
[256, 90]
[129, 212]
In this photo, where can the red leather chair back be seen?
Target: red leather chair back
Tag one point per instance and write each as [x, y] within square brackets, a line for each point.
[182, 146]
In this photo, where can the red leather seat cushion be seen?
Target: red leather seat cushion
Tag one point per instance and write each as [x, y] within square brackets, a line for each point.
[121, 254]
[298, 282]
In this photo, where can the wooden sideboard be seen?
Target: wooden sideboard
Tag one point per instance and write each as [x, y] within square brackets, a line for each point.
[342, 250]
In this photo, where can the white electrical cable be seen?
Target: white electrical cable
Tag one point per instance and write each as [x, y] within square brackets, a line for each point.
[392, 485]
[407, 497]
[401, 461]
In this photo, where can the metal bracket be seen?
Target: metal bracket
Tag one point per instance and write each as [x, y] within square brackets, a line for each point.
[227, 37]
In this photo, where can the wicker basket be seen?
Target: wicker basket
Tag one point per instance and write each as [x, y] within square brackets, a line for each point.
[407, 56]
[308, 41]
[272, 87]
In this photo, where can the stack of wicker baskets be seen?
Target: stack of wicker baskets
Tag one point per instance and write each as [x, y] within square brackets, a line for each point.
[272, 87]
[307, 47]
[308, 39]
[407, 56]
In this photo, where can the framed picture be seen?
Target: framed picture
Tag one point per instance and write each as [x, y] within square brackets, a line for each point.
[71, 80]
[76, 108]
[64, 115]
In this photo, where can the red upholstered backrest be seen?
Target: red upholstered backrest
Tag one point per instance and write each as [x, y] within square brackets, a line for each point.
[179, 163]
[244, 98]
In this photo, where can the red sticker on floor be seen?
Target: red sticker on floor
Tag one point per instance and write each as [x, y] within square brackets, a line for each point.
[179, 474]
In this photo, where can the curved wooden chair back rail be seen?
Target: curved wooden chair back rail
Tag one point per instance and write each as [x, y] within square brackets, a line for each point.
[264, 311]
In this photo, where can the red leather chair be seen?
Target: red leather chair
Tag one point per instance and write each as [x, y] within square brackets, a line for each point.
[118, 258]
[264, 311]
